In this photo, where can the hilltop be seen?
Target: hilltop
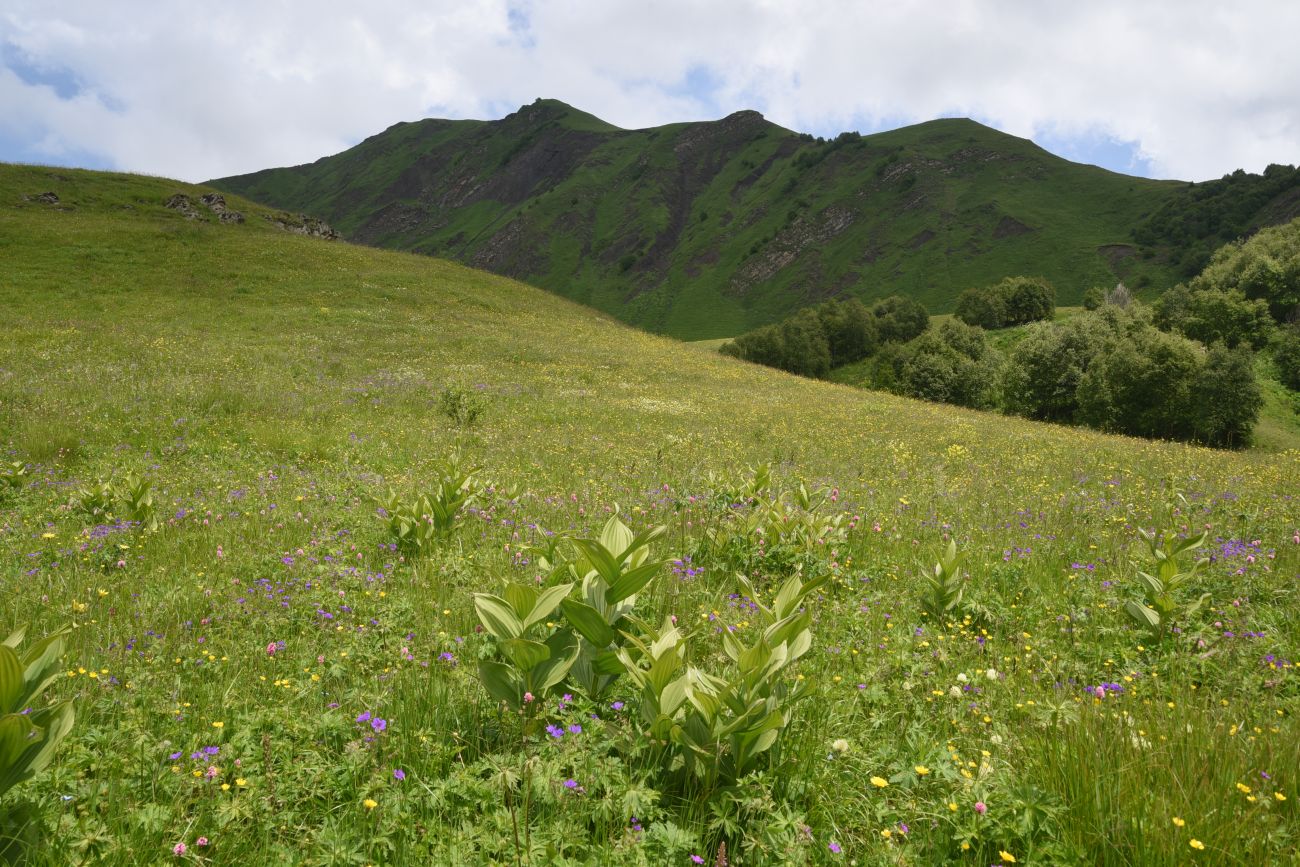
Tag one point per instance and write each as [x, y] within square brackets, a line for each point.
[704, 230]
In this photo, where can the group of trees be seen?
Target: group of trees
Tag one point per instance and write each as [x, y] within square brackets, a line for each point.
[1113, 369]
[1180, 369]
[1215, 213]
[832, 334]
[1014, 301]
[1248, 294]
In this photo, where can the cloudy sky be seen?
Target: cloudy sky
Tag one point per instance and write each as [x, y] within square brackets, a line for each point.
[1162, 88]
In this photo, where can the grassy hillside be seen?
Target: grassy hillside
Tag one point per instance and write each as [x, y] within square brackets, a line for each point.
[700, 230]
[251, 677]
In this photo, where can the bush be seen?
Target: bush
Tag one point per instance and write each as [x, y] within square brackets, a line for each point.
[813, 340]
[1265, 267]
[461, 406]
[1014, 301]
[1228, 398]
[1215, 315]
[1287, 356]
[851, 331]
[981, 307]
[950, 365]
[900, 319]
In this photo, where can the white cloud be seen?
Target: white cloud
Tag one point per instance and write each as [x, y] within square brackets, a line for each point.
[1199, 88]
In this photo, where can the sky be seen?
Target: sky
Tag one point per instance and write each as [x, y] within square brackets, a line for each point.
[1182, 89]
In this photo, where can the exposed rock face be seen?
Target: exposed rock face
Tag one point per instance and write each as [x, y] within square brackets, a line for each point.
[301, 224]
[217, 204]
[184, 204]
[45, 198]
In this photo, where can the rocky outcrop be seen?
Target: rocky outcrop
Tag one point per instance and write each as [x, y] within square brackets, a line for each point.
[214, 202]
[217, 204]
[301, 224]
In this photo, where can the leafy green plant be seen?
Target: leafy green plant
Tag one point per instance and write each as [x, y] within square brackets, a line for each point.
[128, 499]
[12, 476]
[614, 568]
[28, 737]
[462, 406]
[1164, 605]
[528, 667]
[945, 585]
[416, 525]
[720, 726]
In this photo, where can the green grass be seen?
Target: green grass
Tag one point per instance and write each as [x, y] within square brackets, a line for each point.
[271, 385]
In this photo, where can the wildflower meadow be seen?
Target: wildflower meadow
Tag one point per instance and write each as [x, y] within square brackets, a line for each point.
[355, 557]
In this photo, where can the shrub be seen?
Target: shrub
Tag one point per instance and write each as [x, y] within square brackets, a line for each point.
[1214, 315]
[1014, 301]
[900, 319]
[1287, 356]
[953, 364]
[1265, 267]
[462, 406]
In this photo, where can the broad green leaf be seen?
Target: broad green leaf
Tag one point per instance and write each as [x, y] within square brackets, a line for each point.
[16, 637]
[1152, 585]
[645, 537]
[673, 695]
[522, 598]
[662, 671]
[547, 601]
[564, 650]
[501, 682]
[588, 622]
[608, 663]
[525, 653]
[732, 646]
[497, 616]
[599, 558]
[787, 597]
[615, 535]
[1142, 614]
[16, 734]
[12, 683]
[800, 644]
[631, 582]
[57, 722]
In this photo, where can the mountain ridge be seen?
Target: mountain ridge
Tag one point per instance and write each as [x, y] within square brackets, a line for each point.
[705, 229]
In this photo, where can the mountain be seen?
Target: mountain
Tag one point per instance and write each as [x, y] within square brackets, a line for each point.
[704, 230]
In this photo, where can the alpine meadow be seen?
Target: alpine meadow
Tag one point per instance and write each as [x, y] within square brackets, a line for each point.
[316, 553]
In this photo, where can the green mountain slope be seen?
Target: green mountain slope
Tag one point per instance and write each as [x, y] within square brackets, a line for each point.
[702, 230]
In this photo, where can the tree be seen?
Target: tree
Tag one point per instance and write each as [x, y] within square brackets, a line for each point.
[1286, 354]
[1013, 301]
[982, 307]
[1028, 299]
[1265, 267]
[805, 348]
[1045, 368]
[1229, 398]
[1214, 315]
[900, 319]
[1143, 386]
[851, 331]
[952, 364]
[1094, 298]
